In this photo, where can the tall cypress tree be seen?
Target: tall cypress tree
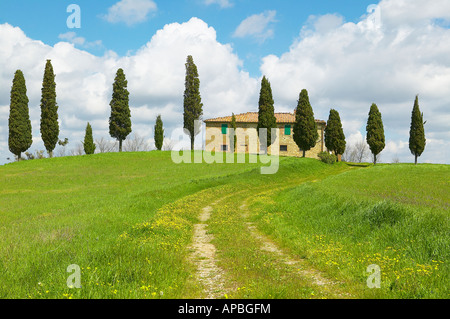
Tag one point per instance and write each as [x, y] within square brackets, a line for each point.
[375, 132]
[417, 139]
[193, 107]
[88, 145]
[20, 137]
[233, 126]
[305, 128]
[334, 134]
[159, 133]
[49, 110]
[120, 119]
[266, 110]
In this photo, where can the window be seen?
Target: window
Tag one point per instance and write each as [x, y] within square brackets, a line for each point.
[287, 130]
[224, 128]
[224, 148]
[283, 148]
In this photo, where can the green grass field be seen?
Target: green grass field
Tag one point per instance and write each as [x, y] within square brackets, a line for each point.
[394, 216]
[128, 221]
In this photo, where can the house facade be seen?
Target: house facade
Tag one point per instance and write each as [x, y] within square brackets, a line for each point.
[217, 135]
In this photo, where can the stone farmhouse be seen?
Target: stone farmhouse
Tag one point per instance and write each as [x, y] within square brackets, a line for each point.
[218, 135]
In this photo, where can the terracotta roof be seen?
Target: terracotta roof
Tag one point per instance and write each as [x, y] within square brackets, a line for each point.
[252, 117]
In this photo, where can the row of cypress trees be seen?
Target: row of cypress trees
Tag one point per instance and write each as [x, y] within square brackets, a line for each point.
[20, 134]
[20, 131]
[375, 132]
[305, 132]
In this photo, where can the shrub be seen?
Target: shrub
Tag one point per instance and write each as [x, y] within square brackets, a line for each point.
[327, 157]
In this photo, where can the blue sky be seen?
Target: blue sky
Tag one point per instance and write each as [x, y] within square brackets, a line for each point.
[348, 54]
[46, 20]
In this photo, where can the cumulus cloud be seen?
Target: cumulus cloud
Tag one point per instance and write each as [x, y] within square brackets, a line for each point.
[130, 11]
[257, 26]
[413, 13]
[395, 52]
[321, 24]
[165, 56]
[155, 75]
[72, 37]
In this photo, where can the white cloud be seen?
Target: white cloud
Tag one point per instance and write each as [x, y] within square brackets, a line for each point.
[163, 77]
[413, 13]
[394, 148]
[71, 37]
[130, 11]
[257, 26]
[221, 3]
[322, 24]
[155, 75]
[388, 57]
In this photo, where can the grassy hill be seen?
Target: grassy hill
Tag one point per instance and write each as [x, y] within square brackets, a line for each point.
[128, 221]
[394, 216]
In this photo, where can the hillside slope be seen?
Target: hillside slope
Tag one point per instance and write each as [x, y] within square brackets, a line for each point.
[392, 216]
[131, 221]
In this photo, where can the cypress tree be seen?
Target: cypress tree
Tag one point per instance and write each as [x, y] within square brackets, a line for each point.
[20, 138]
[334, 134]
[120, 119]
[159, 133]
[49, 110]
[417, 139]
[266, 110]
[375, 132]
[305, 128]
[88, 145]
[233, 126]
[193, 107]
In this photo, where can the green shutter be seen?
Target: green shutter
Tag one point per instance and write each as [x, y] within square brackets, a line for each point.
[287, 130]
[224, 128]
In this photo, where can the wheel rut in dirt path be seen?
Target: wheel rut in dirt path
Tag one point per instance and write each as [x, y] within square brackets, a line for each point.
[297, 265]
[204, 257]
